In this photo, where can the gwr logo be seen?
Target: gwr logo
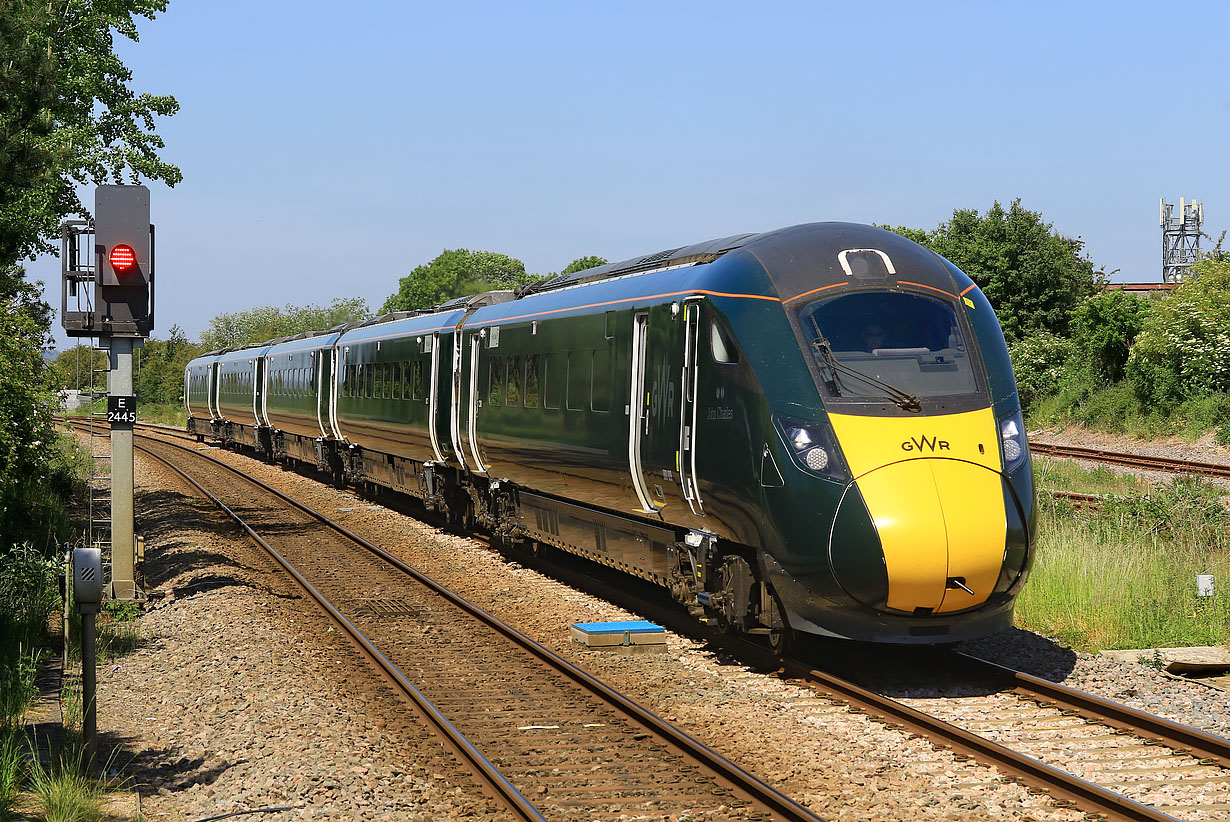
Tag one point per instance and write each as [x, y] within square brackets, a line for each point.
[925, 443]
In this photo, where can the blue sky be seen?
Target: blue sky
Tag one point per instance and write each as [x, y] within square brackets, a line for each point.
[329, 148]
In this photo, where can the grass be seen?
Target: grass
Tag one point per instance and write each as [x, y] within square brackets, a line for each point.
[14, 759]
[1065, 475]
[1117, 410]
[1124, 576]
[65, 790]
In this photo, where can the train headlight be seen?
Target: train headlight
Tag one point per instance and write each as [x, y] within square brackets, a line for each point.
[1012, 441]
[812, 447]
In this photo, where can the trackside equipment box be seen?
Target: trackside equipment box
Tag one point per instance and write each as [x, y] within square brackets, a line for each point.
[637, 633]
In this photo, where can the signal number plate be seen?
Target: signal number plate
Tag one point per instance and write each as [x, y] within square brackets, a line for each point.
[122, 409]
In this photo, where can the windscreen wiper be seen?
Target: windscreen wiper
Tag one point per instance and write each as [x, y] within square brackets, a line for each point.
[903, 399]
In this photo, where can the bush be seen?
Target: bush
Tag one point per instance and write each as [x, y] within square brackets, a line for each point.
[1183, 349]
[1104, 327]
[1040, 363]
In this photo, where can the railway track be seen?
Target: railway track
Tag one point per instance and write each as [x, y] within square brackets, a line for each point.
[526, 721]
[1105, 759]
[1167, 464]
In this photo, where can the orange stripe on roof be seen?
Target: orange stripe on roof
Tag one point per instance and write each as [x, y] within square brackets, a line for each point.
[968, 290]
[813, 291]
[931, 287]
[400, 334]
[690, 291]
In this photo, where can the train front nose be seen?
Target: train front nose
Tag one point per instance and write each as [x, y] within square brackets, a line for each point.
[941, 526]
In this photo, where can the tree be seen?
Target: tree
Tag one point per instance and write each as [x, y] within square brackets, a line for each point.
[26, 430]
[268, 322]
[1032, 276]
[68, 117]
[455, 273]
[583, 263]
[160, 367]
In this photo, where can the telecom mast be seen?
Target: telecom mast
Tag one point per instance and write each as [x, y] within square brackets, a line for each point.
[1180, 239]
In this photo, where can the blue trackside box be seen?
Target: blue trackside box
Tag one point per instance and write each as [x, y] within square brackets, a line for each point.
[607, 634]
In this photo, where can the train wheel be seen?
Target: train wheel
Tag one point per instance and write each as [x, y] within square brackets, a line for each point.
[737, 581]
[781, 635]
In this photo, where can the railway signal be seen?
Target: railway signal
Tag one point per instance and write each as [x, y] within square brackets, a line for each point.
[124, 248]
[114, 277]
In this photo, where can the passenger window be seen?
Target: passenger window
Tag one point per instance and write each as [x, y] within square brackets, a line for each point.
[553, 375]
[513, 383]
[600, 398]
[418, 379]
[495, 394]
[579, 363]
[531, 381]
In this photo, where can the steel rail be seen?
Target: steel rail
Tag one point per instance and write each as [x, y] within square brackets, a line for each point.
[1168, 464]
[462, 747]
[1049, 780]
[1181, 738]
[760, 791]
[1037, 776]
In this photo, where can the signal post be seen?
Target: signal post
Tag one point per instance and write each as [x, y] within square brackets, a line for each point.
[118, 280]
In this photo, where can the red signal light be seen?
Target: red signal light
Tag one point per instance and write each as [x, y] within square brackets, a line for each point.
[123, 259]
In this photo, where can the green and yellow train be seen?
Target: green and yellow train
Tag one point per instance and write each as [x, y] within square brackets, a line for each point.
[814, 429]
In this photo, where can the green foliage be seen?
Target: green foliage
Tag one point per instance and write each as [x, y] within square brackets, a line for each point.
[14, 753]
[160, 368]
[1123, 576]
[455, 273]
[1104, 327]
[269, 322]
[73, 368]
[1039, 362]
[583, 263]
[1032, 276]
[30, 479]
[67, 115]
[1183, 349]
[122, 611]
[65, 790]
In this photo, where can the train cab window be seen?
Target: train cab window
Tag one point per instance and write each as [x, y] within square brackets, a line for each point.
[513, 383]
[723, 349]
[495, 395]
[888, 344]
[603, 384]
[553, 375]
[531, 381]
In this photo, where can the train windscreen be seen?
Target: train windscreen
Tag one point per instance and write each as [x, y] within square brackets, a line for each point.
[894, 345]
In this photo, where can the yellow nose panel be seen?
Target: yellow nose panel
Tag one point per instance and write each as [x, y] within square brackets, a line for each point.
[933, 489]
[906, 511]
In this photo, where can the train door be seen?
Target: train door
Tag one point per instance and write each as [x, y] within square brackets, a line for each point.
[211, 392]
[454, 416]
[476, 347]
[323, 386]
[638, 423]
[433, 394]
[686, 459]
[337, 362]
[662, 412]
[262, 390]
